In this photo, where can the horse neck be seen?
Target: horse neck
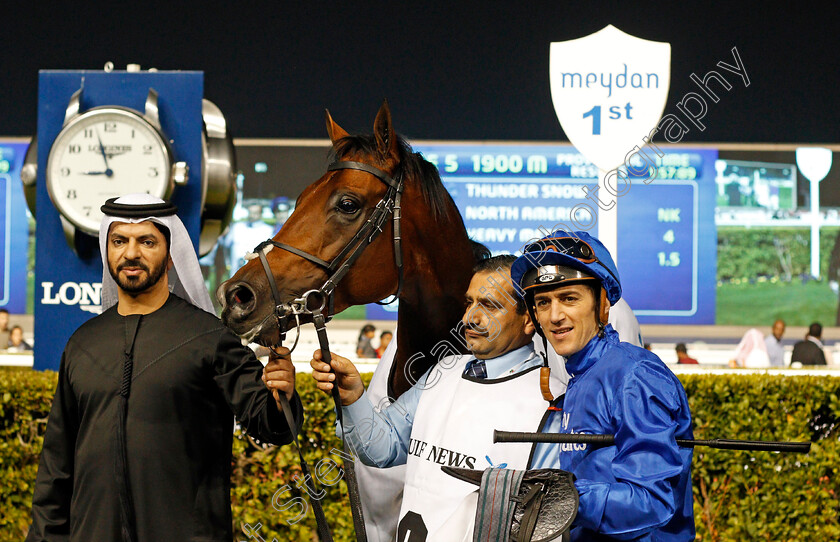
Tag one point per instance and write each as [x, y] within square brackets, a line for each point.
[438, 271]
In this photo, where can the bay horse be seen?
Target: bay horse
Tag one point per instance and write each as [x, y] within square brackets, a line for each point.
[437, 255]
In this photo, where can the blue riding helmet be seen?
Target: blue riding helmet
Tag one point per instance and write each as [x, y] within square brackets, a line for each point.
[584, 258]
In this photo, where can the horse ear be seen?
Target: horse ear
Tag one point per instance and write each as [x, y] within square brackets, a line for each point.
[383, 130]
[335, 131]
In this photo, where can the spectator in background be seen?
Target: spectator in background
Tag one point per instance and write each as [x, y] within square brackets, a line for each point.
[773, 344]
[751, 351]
[384, 341]
[281, 208]
[683, 357]
[4, 328]
[648, 347]
[810, 351]
[16, 342]
[244, 236]
[364, 348]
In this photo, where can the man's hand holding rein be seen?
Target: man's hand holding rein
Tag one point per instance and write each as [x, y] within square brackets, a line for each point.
[279, 374]
[343, 373]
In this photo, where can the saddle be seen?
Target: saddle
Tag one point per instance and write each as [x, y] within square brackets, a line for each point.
[540, 504]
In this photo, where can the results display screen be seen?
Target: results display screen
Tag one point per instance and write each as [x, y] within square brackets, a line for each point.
[14, 228]
[667, 241]
[509, 195]
[720, 236]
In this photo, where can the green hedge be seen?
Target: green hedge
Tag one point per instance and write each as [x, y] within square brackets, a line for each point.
[742, 496]
[738, 496]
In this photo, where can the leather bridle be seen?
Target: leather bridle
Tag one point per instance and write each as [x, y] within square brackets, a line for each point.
[340, 265]
[336, 270]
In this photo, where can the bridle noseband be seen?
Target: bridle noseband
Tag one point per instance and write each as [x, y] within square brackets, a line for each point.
[340, 265]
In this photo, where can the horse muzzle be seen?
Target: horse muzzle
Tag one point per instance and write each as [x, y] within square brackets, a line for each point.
[255, 318]
[242, 311]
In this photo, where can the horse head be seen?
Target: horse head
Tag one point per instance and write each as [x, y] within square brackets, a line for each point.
[330, 244]
[328, 214]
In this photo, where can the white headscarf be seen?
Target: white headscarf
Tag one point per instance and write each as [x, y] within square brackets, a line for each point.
[185, 279]
[751, 351]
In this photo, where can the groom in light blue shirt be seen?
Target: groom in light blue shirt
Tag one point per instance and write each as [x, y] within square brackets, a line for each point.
[499, 334]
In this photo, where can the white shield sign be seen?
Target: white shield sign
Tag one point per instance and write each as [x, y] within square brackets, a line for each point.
[609, 91]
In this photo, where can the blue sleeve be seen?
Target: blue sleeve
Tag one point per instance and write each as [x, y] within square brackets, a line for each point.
[647, 462]
[380, 439]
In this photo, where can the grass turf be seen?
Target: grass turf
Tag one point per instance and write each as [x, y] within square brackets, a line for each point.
[761, 303]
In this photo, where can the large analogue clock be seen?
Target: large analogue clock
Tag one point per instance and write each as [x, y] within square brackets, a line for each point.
[99, 155]
[110, 151]
[107, 152]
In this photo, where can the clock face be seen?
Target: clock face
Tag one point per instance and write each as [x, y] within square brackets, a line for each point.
[105, 153]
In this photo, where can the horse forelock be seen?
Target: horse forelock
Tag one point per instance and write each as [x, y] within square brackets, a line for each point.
[414, 167]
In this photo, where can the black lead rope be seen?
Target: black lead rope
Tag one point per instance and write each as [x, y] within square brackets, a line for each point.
[349, 464]
[324, 534]
[320, 518]
[389, 205]
[128, 525]
[352, 485]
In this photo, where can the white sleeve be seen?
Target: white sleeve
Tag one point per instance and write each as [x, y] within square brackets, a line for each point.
[624, 322]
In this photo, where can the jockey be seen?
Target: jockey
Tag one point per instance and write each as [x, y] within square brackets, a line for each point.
[639, 489]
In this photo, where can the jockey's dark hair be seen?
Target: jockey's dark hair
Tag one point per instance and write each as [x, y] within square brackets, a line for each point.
[502, 262]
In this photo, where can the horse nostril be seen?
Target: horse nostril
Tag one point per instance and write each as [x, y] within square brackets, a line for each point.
[241, 296]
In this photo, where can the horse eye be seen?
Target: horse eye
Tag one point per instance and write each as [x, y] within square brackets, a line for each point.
[348, 206]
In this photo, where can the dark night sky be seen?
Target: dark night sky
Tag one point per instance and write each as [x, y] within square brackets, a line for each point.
[475, 71]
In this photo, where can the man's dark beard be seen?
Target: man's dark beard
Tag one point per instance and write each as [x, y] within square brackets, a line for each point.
[137, 285]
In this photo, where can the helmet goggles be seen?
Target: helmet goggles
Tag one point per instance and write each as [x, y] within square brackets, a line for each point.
[572, 247]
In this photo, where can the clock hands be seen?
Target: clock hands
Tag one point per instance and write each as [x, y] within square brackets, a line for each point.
[108, 171]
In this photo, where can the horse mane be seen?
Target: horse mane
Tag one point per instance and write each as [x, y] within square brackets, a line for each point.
[413, 166]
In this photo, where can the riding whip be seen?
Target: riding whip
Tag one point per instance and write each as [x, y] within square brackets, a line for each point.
[609, 440]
